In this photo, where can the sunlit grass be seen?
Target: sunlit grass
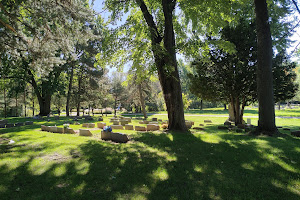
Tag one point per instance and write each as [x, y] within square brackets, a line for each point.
[202, 164]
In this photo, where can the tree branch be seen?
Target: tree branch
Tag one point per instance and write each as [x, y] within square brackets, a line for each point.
[297, 8]
[155, 36]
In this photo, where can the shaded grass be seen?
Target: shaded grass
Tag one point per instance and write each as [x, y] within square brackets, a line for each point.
[209, 164]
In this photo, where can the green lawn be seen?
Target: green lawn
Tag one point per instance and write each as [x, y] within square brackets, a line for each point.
[249, 111]
[209, 164]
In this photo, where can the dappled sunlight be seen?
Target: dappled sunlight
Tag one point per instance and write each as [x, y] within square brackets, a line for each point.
[248, 166]
[215, 139]
[161, 174]
[59, 170]
[177, 165]
[294, 186]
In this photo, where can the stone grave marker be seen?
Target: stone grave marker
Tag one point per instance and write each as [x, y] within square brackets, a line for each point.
[152, 127]
[128, 127]
[53, 129]
[101, 124]
[85, 132]
[59, 130]
[91, 125]
[9, 125]
[140, 128]
[29, 123]
[116, 127]
[248, 121]
[70, 130]
[119, 137]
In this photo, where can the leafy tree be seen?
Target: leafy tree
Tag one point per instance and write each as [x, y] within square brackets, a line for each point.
[117, 89]
[230, 77]
[139, 87]
[285, 85]
[45, 33]
[158, 31]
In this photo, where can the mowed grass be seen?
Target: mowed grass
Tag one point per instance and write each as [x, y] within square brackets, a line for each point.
[207, 164]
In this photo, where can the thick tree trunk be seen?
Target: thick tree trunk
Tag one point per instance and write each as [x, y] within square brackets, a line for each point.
[5, 104]
[142, 100]
[165, 60]
[201, 104]
[17, 113]
[44, 104]
[44, 97]
[235, 111]
[78, 95]
[32, 101]
[78, 108]
[264, 70]
[25, 101]
[69, 92]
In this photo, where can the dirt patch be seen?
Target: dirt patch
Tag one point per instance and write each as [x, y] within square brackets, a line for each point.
[4, 140]
[55, 157]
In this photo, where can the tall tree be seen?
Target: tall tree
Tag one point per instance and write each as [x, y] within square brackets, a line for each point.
[265, 93]
[162, 37]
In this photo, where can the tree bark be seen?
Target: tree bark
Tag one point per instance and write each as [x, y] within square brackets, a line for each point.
[201, 104]
[69, 92]
[25, 101]
[44, 96]
[44, 104]
[5, 104]
[32, 93]
[265, 91]
[17, 113]
[165, 61]
[142, 100]
[78, 95]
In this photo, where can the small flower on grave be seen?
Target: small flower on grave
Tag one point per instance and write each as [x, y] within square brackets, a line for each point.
[66, 125]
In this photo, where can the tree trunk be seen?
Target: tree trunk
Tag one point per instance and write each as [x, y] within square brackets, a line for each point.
[78, 108]
[69, 92]
[78, 95]
[201, 104]
[265, 91]
[115, 106]
[278, 105]
[17, 113]
[32, 101]
[44, 103]
[25, 101]
[165, 61]
[225, 106]
[142, 100]
[5, 104]
[44, 96]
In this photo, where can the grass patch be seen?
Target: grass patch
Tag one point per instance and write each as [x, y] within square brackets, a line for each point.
[204, 164]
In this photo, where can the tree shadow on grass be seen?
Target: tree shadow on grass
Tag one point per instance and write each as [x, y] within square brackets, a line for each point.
[224, 170]
[160, 166]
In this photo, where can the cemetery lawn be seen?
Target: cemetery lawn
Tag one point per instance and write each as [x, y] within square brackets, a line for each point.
[202, 164]
[295, 112]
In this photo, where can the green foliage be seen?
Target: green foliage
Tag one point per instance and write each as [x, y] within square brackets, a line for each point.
[225, 75]
[186, 101]
[230, 75]
[285, 86]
